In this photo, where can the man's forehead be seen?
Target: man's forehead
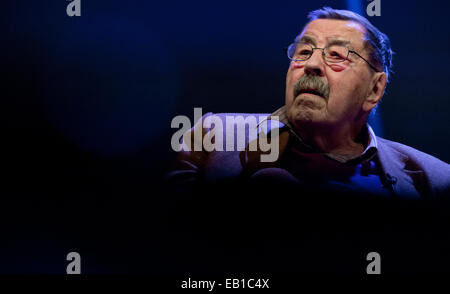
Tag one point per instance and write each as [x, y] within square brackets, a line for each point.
[324, 30]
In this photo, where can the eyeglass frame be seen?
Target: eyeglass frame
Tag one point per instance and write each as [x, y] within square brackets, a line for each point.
[323, 54]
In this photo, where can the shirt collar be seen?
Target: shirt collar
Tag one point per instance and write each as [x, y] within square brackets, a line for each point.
[368, 153]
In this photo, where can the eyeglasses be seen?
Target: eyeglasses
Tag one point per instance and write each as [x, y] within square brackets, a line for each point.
[333, 53]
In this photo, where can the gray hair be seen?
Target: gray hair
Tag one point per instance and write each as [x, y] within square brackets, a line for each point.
[378, 43]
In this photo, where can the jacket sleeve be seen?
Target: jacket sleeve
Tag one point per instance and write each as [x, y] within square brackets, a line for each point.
[190, 161]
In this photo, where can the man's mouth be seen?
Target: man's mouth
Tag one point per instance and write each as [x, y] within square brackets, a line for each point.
[310, 91]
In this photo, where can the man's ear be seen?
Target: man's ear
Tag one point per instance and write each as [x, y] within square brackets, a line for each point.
[376, 91]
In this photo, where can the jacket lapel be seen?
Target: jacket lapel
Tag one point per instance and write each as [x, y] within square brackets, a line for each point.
[393, 165]
[251, 160]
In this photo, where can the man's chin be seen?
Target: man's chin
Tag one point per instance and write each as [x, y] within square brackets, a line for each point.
[306, 108]
[303, 114]
[307, 100]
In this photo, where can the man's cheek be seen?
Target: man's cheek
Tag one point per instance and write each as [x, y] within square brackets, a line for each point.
[295, 72]
[337, 67]
[290, 78]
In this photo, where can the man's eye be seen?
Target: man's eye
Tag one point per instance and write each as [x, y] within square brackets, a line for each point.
[305, 52]
[335, 55]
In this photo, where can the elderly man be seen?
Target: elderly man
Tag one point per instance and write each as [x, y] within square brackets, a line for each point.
[333, 190]
[339, 69]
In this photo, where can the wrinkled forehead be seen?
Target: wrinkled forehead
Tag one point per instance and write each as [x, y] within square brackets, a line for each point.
[321, 32]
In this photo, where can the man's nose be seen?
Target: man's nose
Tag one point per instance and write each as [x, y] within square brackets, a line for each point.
[315, 64]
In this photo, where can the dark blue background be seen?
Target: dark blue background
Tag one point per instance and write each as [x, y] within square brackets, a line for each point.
[87, 103]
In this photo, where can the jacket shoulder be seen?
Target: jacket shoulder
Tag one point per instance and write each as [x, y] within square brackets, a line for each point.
[436, 171]
[237, 118]
[414, 154]
[232, 125]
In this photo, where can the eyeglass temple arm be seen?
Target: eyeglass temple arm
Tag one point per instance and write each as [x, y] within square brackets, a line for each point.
[373, 67]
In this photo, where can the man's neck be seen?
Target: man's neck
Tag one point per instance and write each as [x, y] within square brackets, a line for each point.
[343, 140]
